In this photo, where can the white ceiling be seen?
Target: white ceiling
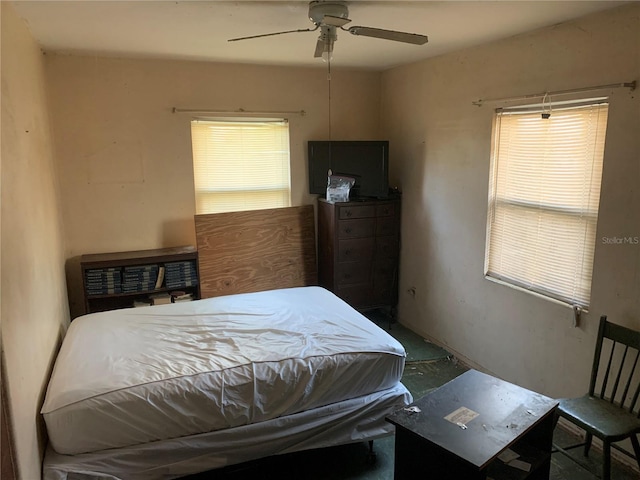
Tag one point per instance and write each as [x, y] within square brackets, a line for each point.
[199, 30]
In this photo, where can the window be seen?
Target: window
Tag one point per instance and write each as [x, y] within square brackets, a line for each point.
[240, 165]
[543, 199]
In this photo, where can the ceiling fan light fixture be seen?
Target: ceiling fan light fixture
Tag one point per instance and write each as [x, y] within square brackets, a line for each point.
[327, 52]
[324, 46]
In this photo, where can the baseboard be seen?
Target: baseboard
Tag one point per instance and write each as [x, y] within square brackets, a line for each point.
[459, 357]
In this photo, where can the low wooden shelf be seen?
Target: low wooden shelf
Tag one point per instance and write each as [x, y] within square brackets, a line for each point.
[140, 258]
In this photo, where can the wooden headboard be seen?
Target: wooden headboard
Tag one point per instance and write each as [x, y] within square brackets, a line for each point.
[241, 252]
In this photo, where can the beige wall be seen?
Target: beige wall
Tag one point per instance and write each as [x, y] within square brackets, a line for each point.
[34, 298]
[441, 145]
[124, 159]
[124, 164]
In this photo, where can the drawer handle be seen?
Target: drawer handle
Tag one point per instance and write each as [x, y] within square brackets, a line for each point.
[347, 276]
[348, 230]
[347, 252]
[348, 213]
[385, 211]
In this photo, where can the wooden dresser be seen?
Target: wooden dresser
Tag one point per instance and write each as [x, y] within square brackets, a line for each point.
[358, 251]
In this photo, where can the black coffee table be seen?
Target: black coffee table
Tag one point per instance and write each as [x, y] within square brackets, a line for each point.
[471, 427]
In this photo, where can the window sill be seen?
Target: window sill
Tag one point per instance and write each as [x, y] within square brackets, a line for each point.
[585, 309]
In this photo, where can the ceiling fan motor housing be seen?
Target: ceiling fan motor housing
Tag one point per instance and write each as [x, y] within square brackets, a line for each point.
[319, 9]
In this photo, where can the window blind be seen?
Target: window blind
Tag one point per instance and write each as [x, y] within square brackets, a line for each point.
[543, 200]
[240, 165]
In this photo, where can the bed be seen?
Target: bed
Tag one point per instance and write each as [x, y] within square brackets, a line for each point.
[166, 391]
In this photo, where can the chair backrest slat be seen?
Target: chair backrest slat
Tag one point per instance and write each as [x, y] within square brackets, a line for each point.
[629, 379]
[617, 381]
[635, 399]
[605, 380]
[596, 357]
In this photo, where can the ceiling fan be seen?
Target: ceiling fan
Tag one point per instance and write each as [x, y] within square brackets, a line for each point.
[328, 16]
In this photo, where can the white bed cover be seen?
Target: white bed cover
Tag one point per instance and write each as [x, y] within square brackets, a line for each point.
[350, 421]
[134, 376]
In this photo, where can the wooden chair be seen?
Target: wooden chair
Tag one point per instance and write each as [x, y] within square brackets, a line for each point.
[610, 411]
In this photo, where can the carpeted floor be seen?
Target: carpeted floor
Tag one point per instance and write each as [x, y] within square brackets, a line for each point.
[418, 349]
[427, 367]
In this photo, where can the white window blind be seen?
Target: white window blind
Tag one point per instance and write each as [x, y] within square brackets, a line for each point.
[543, 200]
[240, 165]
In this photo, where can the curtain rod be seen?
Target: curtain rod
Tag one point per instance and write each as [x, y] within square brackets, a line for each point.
[241, 111]
[631, 85]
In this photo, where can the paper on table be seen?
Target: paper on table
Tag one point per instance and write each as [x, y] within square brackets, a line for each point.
[461, 416]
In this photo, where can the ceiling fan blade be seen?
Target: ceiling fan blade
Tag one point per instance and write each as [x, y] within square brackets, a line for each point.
[335, 21]
[404, 37]
[272, 34]
[319, 48]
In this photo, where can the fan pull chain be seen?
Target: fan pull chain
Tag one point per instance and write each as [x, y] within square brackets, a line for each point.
[329, 89]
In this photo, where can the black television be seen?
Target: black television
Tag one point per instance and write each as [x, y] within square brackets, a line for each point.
[367, 161]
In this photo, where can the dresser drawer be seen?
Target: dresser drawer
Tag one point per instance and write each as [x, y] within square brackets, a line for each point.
[355, 295]
[387, 247]
[361, 211]
[384, 271]
[386, 210]
[353, 272]
[363, 227]
[386, 226]
[384, 282]
[383, 294]
[356, 250]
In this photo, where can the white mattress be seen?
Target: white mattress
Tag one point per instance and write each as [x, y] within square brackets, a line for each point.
[133, 376]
